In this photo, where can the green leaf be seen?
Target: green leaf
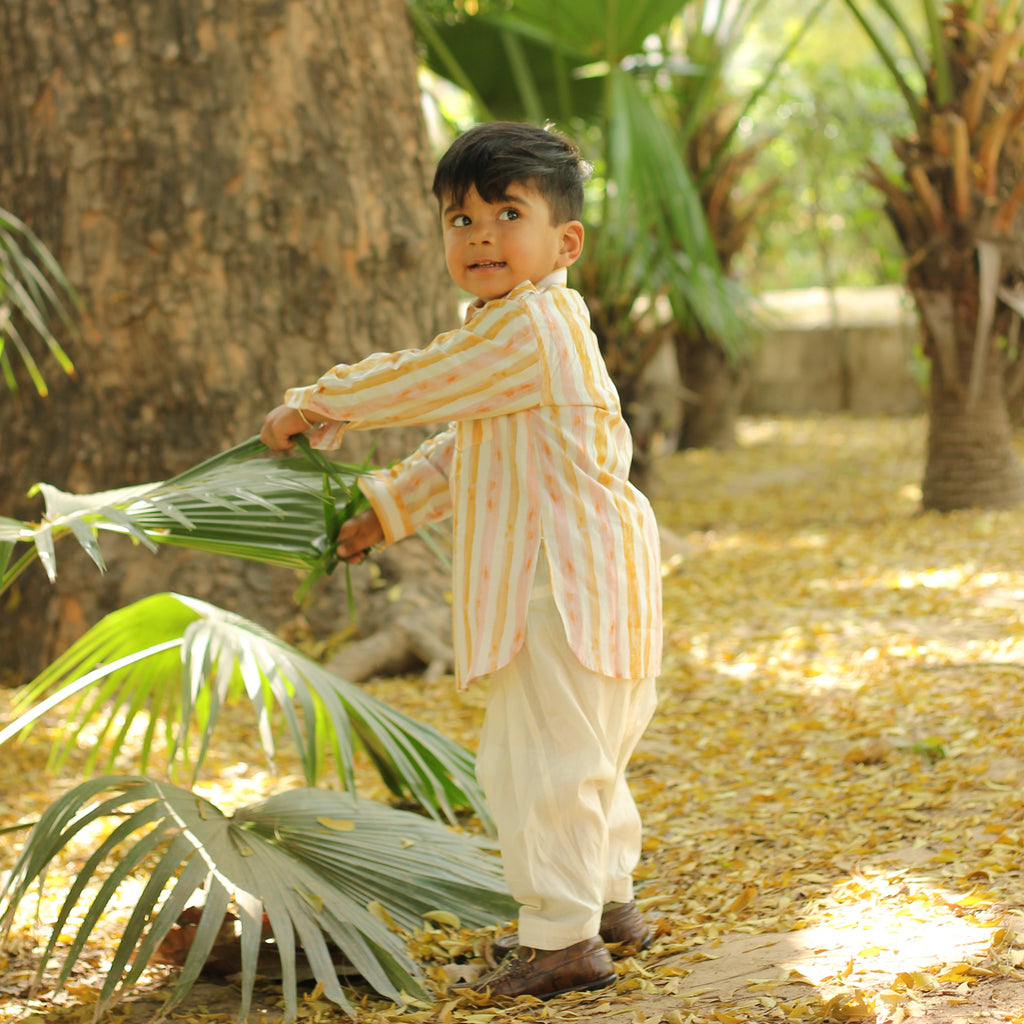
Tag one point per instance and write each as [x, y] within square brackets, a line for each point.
[412, 866]
[271, 858]
[33, 284]
[265, 510]
[177, 661]
[880, 40]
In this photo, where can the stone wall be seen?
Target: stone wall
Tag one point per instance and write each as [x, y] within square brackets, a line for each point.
[851, 350]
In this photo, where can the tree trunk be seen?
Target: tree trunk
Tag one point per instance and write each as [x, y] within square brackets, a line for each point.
[240, 193]
[713, 390]
[971, 461]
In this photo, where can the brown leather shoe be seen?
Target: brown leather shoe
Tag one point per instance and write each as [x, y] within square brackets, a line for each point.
[622, 926]
[545, 973]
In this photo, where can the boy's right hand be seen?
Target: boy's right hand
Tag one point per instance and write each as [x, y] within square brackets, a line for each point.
[358, 535]
[281, 426]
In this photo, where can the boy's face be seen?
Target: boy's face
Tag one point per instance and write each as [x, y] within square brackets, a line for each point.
[492, 247]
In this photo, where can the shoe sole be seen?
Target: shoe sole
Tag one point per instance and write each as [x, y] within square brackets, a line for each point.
[589, 986]
[618, 950]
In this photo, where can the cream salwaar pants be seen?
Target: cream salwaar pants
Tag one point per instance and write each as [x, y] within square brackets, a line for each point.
[552, 760]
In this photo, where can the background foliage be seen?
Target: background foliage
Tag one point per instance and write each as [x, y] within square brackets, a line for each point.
[832, 106]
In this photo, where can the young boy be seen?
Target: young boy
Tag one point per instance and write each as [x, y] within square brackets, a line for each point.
[556, 588]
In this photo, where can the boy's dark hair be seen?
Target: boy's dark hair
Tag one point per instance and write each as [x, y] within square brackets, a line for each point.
[492, 156]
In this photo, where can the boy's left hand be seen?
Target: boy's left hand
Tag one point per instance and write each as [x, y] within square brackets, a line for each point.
[280, 428]
[358, 535]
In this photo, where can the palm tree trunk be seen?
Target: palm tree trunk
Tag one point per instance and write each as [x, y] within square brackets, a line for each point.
[714, 386]
[971, 461]
[957, 212]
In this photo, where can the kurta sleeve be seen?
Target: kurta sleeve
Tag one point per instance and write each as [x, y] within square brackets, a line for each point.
[490, 367]
[415, 491]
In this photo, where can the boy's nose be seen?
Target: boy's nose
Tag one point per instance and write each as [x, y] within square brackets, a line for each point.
[481, 233]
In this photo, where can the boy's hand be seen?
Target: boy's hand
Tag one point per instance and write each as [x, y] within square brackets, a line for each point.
[358, 535]
[281, 426]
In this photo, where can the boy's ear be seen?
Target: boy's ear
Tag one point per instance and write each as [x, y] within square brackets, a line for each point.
[572, 243]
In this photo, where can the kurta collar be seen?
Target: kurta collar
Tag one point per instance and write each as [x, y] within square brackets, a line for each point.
[556, 277]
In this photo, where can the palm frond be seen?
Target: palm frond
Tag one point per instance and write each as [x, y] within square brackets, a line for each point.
[582, 29]
[296, 865]
[170, 664]
[409, 864]
[32, 285]
[656, 194]
[283, 512]
[452, 68]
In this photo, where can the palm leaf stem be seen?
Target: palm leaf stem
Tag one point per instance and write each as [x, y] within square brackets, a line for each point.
[882, 47]
[522, 75]
[939, 54]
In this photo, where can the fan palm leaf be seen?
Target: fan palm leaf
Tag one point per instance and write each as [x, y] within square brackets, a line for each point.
[284, 512]
[305, 866]
[412, 867]
[171, 663]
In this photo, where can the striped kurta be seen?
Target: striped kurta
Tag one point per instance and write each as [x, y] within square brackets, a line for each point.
[536, 450]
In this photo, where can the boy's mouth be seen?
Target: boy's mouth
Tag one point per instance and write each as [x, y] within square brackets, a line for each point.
[486, 265]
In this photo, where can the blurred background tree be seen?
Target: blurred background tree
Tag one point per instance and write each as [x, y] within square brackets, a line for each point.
[833, 106]
[956, 206]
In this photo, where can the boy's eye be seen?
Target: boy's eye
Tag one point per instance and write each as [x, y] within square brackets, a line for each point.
[460, 220]
[508, 215]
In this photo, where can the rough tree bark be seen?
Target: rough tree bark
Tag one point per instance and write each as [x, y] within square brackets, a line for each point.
[240, 193]
[971, 459]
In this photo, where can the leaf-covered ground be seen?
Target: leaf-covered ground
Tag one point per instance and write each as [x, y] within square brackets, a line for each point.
[832, 785]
